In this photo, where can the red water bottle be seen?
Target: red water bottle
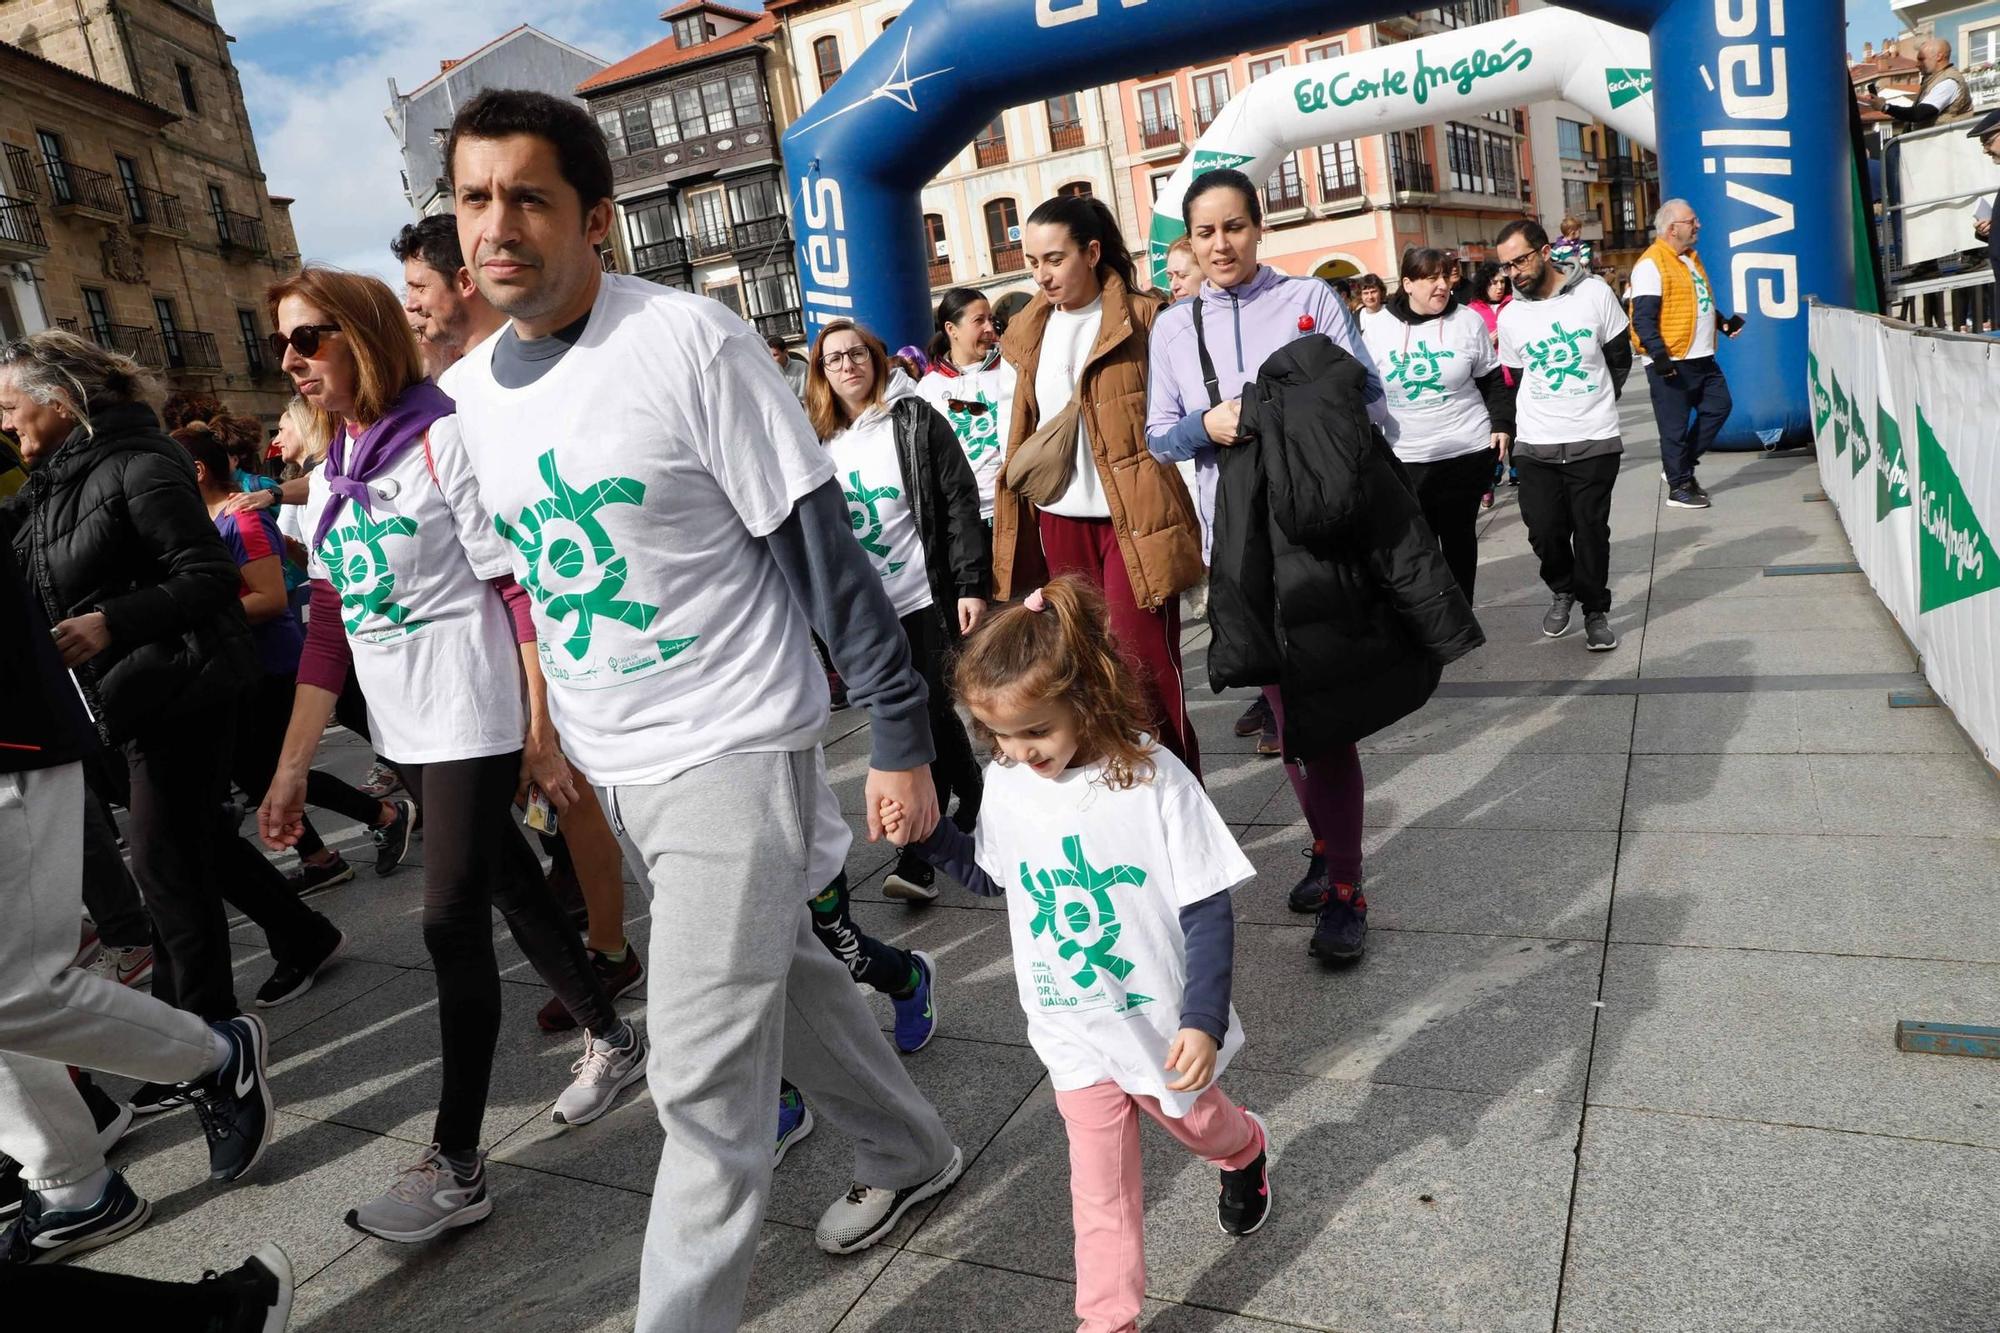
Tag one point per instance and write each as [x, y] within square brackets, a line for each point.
[1306, 324]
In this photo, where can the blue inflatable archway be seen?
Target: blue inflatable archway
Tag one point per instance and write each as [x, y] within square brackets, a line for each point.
[1752, 95]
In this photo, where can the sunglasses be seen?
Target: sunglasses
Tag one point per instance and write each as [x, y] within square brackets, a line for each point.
[971, 409]
[304, 340]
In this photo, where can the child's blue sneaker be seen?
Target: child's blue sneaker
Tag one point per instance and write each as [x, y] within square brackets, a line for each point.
[916, 1016]
[795, 1121]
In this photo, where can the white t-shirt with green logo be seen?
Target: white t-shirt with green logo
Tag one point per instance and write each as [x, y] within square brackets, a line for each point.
[871, 478]
[1428, 369]
[1556, 347]
[632, 483]
[1095, 882]
[432, 642]
[1646, 281]
[979, 404]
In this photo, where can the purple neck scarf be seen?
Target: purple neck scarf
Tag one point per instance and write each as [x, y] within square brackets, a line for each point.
[377, 450]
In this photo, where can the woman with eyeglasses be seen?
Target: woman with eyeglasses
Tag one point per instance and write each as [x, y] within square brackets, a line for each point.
[971, 384]
[410, 584]
[1450, 410]
[914, 506]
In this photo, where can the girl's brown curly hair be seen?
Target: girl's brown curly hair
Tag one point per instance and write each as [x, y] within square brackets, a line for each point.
[1064, 651]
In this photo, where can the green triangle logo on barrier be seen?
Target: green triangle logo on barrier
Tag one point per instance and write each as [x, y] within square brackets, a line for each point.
[1822, 405]
[1627, 85]
[1208, 159]
[1892, 472]
[1863, 450]
[1839, 414]
[1955, 558]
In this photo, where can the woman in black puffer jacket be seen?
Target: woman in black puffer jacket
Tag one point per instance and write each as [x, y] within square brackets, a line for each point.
[119, 550]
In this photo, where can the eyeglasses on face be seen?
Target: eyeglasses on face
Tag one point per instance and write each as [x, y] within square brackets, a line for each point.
[304, 340]
[1519, 264]
[854, 355]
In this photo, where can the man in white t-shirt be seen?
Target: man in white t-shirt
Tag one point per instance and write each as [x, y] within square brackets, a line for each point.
[676, 522]
[1675, 322]
[1565, 340]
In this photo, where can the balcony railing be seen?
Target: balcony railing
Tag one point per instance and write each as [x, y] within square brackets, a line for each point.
[134, 340]
[941, 272]
[1343, 189]
[1007, 258]
[1162, 133]
[1065, 135]
[711, 241]
[759, 233]
[241, 232]
[990, 152]
[75, 189]
[1627, 240]
[1204, 116]
[154, 211]
[1415, 177]
[21, 235]
[21, 164]
[190, 349]
[660, 257]
[1285, 198]
[781, 324]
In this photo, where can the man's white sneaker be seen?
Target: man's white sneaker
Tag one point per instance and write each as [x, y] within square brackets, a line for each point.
[867, 1213]
[604, 1071]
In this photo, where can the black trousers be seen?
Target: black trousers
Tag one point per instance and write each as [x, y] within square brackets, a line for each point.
[476, 858]
[260, 740]
[109, 893]
[870, 962]
[1449, 491]
[956, 769]
[179, 841]
[1567, 507]
[1689, 414]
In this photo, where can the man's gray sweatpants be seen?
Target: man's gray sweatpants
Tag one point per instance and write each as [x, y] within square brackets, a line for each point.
[738, 988]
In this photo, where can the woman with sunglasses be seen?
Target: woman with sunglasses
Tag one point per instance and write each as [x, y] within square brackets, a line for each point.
[915, 508]
[971, 384]
[410, 585]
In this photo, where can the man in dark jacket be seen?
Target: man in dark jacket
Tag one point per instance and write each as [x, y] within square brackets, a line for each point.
[53, 1180]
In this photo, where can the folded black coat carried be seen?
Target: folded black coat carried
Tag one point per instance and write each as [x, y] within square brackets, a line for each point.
[1324, 578]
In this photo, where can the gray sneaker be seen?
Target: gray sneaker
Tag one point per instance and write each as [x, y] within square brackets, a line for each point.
[1597, 635]
[426, 1200]
[866, 1213]
[1556, 623]
[603, 1072]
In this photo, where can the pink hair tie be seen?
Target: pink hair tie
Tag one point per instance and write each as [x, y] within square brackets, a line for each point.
[1034, 601]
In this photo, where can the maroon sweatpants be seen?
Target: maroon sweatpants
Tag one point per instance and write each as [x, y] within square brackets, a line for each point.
[1150, 640]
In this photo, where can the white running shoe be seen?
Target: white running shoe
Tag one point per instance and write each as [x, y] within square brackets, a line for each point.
[867, 1213]
[128, 967]
[603, 1072]
[426, 1200]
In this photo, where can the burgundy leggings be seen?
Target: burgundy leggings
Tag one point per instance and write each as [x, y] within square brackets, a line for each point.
[1330, 791]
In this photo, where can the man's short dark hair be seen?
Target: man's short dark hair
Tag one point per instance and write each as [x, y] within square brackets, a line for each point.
[499, 113]
[1527, 229]
[1371, 283]
[434, 241]
[777, 344]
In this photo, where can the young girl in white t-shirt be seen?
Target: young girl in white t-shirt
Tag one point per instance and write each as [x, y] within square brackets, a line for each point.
[1117, 872]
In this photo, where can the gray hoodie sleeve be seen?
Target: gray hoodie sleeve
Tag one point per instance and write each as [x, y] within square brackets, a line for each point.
[830, 578]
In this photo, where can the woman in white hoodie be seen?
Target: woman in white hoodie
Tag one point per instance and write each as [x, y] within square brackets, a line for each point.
[971, 385]
[914, 505]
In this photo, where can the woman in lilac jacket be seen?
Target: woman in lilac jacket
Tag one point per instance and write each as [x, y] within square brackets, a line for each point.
[1248, 312]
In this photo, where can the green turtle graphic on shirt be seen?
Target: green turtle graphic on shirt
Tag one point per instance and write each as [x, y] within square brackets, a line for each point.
[866, 519]
[1558, 359]
[561, 538]
[978, 432]
[1419, 372]
[1085, 928]
[357, 565]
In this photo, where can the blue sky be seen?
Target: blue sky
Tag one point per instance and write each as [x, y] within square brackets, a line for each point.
[315, 75]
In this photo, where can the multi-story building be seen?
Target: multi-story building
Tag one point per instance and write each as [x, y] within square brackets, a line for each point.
[696, 167]
[1973, 29]
[1589, 171]
[1354, 206]
[420, 119]
[132, 205]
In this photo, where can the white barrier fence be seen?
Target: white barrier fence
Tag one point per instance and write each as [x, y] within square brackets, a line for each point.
[1908, 422]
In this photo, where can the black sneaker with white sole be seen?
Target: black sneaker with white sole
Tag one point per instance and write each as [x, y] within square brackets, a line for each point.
[234, 1102]
[392, 840]
[1246, 1192]
[1555, 623]
[290, 980]
[1597, 635]
[256, 1295]
[1687, 497]
[867, 1213]
[42, 1235]
[914, 880]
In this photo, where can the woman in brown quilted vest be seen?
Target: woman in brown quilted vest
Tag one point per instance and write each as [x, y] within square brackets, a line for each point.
[1125, 521]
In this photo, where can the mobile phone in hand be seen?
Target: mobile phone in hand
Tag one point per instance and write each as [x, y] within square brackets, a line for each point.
[541, 816]
[1733, 325]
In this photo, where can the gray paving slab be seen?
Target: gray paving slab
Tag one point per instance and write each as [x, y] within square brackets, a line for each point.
[1677, 648]
[1585, 724]
[1722, 793]
[1508, 791]
[1801, 722]
[1794, 1038]
[1930, 795]
[1394, 1208]
[1712, 582]
[1820, 894]
[1686, 1225]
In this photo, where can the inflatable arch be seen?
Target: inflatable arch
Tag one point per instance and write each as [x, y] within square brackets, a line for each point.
[1753, 92]
[1541, 56]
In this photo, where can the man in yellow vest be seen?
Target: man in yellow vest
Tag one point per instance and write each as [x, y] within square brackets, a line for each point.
[1675, 323]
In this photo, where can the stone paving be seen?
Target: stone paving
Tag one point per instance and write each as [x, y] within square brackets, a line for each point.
[1619, 1057]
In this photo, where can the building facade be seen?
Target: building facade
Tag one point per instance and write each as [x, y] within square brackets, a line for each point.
[698, 179]
[420, 119]
[132, 205]
[1589, 171]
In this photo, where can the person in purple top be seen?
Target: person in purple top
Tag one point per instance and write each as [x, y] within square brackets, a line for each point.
[1250, 310]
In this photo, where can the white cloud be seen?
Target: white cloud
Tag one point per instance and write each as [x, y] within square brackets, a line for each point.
[321, 135]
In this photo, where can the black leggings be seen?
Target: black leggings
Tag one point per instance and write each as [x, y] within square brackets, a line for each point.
[1449, 492]
[869, 961]
[956, 770]
[476, 859]
[260, 740]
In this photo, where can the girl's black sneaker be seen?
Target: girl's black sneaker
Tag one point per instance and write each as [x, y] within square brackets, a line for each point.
[1246, 1193]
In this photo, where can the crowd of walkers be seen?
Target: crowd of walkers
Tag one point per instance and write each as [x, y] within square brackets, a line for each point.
[578, 554]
